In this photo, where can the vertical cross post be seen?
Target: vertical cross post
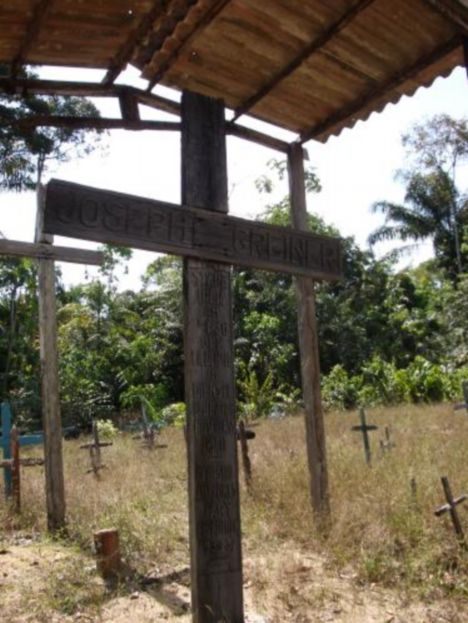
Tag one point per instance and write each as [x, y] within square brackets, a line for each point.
[6, 445]
[308, 347]
[15, 469]
[364, 428]
[215, 536]
[246, 464]
[55, 487]
[451, 507]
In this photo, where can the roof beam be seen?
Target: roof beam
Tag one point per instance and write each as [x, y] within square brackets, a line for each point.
[94, 123]
[125, 53]
[89, 89]
[207, 18]
[32, 32]
[453, 10]
[303, 56]
[379, 92]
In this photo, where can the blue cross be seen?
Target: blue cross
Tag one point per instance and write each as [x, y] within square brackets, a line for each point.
[5, 440]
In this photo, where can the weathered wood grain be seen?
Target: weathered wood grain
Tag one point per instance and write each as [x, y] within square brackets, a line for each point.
[52, 424]
[215, 538]
[105, 216]
[309, 351]
[18, 248]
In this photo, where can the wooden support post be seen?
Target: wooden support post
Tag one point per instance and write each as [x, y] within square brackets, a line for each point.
[215, 536]
[6, 443]
[15, 469]
[451, 507]
[55, 488]
[364, 428]
[309, 350]
[246, 464]
[106, 544]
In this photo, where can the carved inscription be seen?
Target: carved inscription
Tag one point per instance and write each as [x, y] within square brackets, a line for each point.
[104, 216]
[212, 415]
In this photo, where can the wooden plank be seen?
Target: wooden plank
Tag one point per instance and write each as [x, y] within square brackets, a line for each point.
[303, 56]
[454, 11]
[215, 537]
[18, 248]
[51, 420]
[309, 351]
[32, 32]
[116, 218]
[89, 89]
[95, 123]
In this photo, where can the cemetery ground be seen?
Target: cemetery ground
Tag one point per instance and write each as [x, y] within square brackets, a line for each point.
[386, 557]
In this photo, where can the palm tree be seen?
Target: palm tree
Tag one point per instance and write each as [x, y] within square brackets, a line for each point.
[433, 209]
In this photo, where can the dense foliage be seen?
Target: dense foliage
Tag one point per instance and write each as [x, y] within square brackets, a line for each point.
[385, 336]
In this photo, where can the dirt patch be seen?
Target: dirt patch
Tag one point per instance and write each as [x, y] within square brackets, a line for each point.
[53, 583]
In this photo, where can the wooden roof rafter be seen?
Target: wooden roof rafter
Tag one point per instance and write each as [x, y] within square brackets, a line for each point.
[32, 32]
[183, 42]
[134, 39]
[452, 10]
[303, 56]
[23, 87]
[378, 92]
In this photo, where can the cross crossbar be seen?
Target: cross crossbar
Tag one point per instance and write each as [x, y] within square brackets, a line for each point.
[115, 218]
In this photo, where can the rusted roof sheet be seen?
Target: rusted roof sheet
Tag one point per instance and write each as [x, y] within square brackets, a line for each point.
[311, 66]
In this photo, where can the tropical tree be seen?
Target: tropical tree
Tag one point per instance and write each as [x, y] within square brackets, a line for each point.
[434, 207]
[26, 151]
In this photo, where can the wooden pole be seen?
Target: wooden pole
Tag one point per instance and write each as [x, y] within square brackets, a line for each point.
[54, 480]
[215, 537]
[309, 350]
[15, 469]
[246, 464]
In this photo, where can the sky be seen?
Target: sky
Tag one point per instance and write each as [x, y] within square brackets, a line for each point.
[356, 168]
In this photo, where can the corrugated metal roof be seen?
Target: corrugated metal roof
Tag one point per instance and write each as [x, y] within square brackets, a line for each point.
[311, 66]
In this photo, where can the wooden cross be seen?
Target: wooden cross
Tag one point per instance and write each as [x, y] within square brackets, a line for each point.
[11, 466]
[210, 241]
[364, 428]
[387, 444]
[451, 507]
[46, 254]
[243, 435]
[5, 443]
[95, 450]
[464, 404]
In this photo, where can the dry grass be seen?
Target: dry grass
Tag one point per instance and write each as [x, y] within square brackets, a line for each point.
[377, 529]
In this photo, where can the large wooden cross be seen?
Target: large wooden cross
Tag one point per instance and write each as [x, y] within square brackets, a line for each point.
[210, 241]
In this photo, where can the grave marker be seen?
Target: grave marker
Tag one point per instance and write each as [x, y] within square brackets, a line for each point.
[451, 507]
[387, 444]
[95, 450]
[464, 404]
[5, 442]
[210, 240]
[364, 428]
